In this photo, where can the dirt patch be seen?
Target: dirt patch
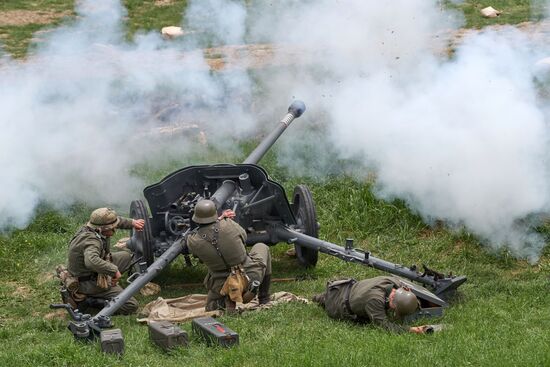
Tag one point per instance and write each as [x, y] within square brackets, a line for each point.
[459, 247]
[426, 233]
[45, 277]
[56, 315]
[252, 56]
[4, 320]
[23, 292]
[164, 2]
[24, 17]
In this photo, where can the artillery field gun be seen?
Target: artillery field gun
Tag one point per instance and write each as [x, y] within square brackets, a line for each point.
[262, 208]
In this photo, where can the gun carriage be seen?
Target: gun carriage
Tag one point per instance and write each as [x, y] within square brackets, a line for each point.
[262, 209]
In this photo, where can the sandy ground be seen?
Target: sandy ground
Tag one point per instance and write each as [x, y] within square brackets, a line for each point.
[164, 2]
[25, 17]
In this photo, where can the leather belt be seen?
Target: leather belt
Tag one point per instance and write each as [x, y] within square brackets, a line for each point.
[346, 297]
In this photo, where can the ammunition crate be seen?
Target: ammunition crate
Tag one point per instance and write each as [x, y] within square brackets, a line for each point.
[167, 335]
[112, 341]
[214, 332]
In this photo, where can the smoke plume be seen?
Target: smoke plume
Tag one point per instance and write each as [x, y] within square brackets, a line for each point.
[76, 113]
[461, 137]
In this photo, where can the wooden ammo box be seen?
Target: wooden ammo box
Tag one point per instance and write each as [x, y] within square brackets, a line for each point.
[214, 332]
[112, 341]
[167, 335]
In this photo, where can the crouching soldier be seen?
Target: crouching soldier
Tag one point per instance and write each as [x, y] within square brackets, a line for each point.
[92, 263]
[233, 275]
[379, 301]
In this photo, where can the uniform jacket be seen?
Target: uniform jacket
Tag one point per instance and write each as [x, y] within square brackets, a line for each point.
[231, 243]
[89, 251]
[369, 301]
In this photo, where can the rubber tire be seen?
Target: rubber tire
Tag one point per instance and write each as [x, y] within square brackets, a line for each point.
[138, 210]
[303, 208]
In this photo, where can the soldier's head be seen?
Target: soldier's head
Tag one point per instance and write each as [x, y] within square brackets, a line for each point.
[205, 212]
[104, 221]
[403, 301]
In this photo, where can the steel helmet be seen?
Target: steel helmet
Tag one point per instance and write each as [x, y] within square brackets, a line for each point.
[205, 212]
[405, 302]
[104, 219]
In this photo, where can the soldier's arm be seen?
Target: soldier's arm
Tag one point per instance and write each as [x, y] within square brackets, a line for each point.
[239, 229]
[94, 262]
[376, 311]
[125, 223]
[191, 244]
[242, 232]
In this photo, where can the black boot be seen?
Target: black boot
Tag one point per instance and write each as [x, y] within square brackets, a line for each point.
[263, 292]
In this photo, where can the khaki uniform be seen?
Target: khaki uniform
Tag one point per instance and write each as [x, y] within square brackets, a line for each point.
[90, 255]
[365, 301]
[231, 240]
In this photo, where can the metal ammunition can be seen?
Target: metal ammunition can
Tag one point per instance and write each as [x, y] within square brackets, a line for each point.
[112, 341]
[214, 332]
[167, 335]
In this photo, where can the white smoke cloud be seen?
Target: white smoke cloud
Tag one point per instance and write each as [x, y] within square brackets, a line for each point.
[219, 21]
[468, 149]
[75, 113]
[461, 138]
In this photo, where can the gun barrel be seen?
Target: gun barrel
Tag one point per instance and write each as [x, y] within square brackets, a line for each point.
[295, 110]
[138, 283]
[221, 195]
[439, 285]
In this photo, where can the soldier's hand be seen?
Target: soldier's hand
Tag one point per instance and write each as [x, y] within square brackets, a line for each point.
[227, 214]
[138, 224]
[115, 279]
[417, 329]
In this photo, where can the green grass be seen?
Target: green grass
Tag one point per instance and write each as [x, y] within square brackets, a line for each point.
[513, 11]
[500, 318]
[144, 15]
[16, 39]
[503, 310]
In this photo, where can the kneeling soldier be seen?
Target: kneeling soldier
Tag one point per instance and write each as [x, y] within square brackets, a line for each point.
[377, 300]
[233, 275]
[91, 261]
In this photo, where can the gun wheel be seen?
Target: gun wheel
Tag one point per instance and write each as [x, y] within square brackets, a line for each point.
[303, 208]
[142, 242]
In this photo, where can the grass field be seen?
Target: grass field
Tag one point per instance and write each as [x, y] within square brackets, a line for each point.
[501, 316]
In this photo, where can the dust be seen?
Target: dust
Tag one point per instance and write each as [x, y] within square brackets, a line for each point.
[24, 17]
